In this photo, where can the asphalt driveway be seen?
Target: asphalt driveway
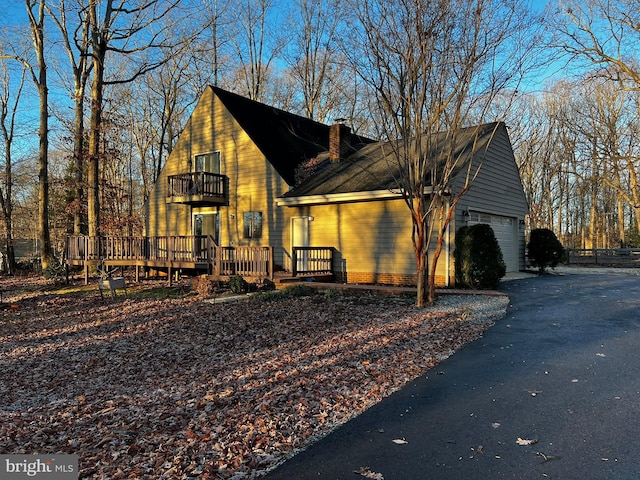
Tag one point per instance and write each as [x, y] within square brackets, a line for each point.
[561, 370]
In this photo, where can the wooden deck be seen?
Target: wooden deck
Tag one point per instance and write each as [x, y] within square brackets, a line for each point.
[194, 254]
[197, 254]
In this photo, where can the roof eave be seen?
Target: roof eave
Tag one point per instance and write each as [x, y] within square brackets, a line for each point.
[338, 198]
[328, 198]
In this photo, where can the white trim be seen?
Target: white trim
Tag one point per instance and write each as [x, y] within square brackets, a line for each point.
[338, 198]
[447, 250]
[305, 240]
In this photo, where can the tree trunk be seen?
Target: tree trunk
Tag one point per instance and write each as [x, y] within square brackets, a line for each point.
[423, 297]
[93, 191]
[6, 201]
[445, 219]
[621, 223]
[421, 250]
[78, 155]
[93, 173]
[7, 207]
[44, 235]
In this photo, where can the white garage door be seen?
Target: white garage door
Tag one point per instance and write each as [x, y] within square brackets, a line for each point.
[504, 229]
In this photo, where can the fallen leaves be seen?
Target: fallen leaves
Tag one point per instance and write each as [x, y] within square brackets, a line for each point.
[524, 441]
[367, 473]
[177, 388]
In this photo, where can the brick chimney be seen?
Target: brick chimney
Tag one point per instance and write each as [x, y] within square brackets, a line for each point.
[339, 141]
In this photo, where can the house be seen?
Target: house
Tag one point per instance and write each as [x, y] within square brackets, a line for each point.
[246, 154]
[247, 182]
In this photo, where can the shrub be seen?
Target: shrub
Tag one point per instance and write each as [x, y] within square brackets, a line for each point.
[299, 290]
[545, 250]
[55, 271]
[267, 296]
[237, 284]
[479, 261]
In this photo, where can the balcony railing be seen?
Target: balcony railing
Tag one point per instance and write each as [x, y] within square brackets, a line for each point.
[198, 188]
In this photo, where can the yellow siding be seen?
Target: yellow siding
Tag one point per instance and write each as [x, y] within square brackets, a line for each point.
[253, 182]
[369, 237]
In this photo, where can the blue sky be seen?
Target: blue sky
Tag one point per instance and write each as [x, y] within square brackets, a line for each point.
[12, 13]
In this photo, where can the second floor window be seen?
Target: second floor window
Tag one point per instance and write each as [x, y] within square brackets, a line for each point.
[207, 162]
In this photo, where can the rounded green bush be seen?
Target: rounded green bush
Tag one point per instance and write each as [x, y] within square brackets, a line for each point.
[545, 250]
[479, 261]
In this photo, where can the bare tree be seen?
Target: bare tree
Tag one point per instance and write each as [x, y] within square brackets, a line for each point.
[76, 45]
[435, 67]
[578, 154]
[314, 55]
[593, 147]
[39, 77]
[610, 125]
[113, 29]
[211, 49]
[10, 94]
[602, 34]
[256, 46]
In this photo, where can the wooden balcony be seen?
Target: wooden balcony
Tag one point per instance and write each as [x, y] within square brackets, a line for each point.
[198, 189]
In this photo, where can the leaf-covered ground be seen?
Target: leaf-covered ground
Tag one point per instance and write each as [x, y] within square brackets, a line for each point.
[174, 388]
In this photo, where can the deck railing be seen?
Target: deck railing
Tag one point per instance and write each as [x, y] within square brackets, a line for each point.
[311, 260]
[171, 248]
[253, 262]
[244, 261]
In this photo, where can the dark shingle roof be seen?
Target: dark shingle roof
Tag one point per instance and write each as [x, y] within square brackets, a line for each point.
[284, 138]
[374, 166]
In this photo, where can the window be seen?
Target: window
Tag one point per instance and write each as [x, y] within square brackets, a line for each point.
[207, 162]
[252, 225]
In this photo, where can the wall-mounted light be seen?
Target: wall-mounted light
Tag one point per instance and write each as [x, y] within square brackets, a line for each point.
[521, 222]
[465, 215]
[232, 216]
[311, 219]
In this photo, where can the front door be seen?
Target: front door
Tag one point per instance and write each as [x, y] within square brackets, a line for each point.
[204, 224]
[300, 238]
